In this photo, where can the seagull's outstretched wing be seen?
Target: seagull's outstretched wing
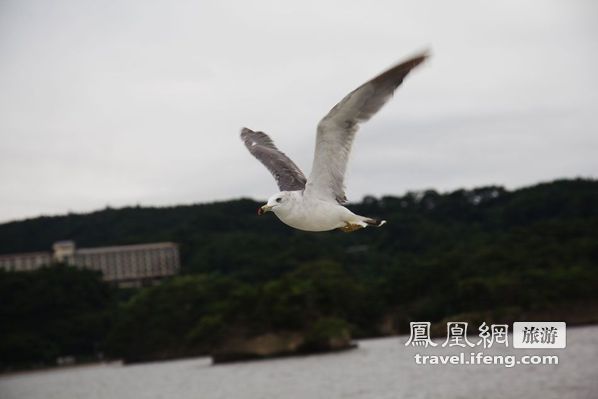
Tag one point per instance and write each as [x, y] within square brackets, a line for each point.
[288, 176]
[337, 130]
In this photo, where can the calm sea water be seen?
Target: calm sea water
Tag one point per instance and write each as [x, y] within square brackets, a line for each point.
[380, 368]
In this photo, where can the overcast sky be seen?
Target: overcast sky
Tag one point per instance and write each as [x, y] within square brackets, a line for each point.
[138, 102]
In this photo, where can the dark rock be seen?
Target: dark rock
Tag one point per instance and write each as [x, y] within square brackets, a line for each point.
[326, 335]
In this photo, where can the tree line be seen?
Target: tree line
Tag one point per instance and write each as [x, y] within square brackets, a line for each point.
[486, 251]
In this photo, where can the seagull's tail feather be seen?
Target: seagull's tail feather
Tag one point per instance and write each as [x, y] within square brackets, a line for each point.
[374, 222]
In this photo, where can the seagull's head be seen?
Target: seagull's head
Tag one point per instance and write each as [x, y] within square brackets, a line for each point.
[278, 201]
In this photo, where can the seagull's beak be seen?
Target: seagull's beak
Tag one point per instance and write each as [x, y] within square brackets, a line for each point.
[264, 209]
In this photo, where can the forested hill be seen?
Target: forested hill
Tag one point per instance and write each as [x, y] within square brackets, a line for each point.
[487, 225]
[483, 255]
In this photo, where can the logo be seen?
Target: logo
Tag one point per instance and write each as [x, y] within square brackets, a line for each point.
[526, 335]
[543, 335]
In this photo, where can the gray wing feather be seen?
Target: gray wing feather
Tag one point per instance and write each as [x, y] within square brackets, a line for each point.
[337, 129]
[288, 176]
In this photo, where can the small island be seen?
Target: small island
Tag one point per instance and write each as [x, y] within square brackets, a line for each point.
[326, 335]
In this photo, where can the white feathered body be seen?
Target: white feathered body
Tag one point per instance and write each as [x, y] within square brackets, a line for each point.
[312, 214]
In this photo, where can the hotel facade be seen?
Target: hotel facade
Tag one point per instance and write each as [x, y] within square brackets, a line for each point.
[125, 265]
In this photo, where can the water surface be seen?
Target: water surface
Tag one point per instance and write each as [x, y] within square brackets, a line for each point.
[380, 368]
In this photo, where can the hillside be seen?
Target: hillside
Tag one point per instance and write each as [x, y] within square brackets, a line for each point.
[488, 251]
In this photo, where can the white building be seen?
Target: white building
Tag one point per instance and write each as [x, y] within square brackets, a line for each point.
[126, 265]
[25, 262]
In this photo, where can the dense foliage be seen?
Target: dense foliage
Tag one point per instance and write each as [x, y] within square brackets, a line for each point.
[52, 312]
[467, 251]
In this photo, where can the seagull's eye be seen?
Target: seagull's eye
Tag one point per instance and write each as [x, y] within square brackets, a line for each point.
[278, 199]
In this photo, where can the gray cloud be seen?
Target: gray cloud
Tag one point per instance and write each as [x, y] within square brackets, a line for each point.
[122, 103]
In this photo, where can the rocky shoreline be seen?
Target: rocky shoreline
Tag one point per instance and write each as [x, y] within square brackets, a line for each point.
[269, 346]
[327, 335]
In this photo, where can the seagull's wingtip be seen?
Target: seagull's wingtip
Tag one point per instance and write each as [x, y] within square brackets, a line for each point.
[422, 56]
[245, 131]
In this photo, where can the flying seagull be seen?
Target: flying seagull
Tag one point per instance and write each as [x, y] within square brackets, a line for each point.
[315, 203]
